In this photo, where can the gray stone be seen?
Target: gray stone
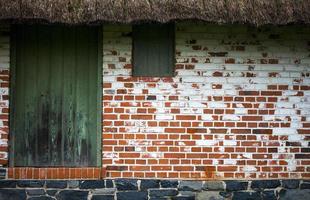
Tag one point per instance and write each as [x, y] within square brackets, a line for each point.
[183, 198]
[190, 185]
[8, 184]
[41, 198]
[35, 192]
[2, 173]
[269, 195]
[104, 191]
[56, 184]
[213, 185]
[225, 194]
[295, 194]
[305, 185]
[236, 185]
[102, 197]
[147, 184]
[109, 183]
[162, 192]
[246, 196]
[72, 195]
[169, 184]
[290, 184]
[262, 184]
[132, 195]
[73, 184]
[51, 192]
[31, 184]
[91, 184]
[126, 184]
[187, 193]
[12, 194]
[209, 195]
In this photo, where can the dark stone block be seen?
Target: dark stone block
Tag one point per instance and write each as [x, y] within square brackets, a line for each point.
[169, 184]
[2, 173]
[246, 196]
[209, 195]
[305, 185]
[102, 197]
[91, 184]
[126, 184]
[190, 186]
[109, 184]
[262, 184]
[290, 184]
[51, 192]
[163, 192]
[12, 194]
[56, 184]
[7, 184]
[269, 195]
[132, 195]
[236, 185]
[73, 184]
[41, 198]
[281, 192]
[183, 198]
[72, 195]
[213, 185]
[147, 184]
[35, 192]
[31, 184]
[225, 194]
[294, 194]
[104, 191]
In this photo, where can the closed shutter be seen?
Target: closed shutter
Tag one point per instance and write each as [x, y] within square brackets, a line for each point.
[153, 50]
[55, 116]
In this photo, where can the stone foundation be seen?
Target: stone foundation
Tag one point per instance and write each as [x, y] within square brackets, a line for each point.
[151, 189]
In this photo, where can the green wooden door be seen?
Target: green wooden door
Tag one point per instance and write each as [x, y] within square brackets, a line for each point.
[55, 111]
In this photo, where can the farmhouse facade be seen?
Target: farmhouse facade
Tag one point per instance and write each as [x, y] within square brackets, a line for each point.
[178, 104]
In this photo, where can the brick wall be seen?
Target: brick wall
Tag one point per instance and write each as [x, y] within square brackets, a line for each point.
[238, 107]
[4, 95]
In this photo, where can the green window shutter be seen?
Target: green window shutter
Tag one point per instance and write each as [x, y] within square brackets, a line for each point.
[153, 50]
[54, 118]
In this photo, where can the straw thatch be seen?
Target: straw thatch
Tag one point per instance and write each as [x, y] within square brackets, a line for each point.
[256, 12]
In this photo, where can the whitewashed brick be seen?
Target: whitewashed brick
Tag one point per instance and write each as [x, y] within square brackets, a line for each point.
[207, 117]
[206, 142]
[229, 143]
[164, 117]
[230, 118]
[284, 131]
[216, 105]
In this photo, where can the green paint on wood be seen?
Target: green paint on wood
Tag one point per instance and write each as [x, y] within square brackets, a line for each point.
[55, 96]
[153, 50]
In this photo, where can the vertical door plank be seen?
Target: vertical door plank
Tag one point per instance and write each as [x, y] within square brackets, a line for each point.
[82, 70]
[44, 96]
[69, 93]
[30, 87]
[56, 88]
[18, 125]
[93, 85]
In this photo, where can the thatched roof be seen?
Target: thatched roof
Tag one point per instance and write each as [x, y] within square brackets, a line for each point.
[256, 12]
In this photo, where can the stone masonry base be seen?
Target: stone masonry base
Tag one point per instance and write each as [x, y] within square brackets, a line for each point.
[150, 189]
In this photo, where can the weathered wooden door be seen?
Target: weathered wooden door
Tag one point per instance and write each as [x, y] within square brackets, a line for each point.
[55, 96]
